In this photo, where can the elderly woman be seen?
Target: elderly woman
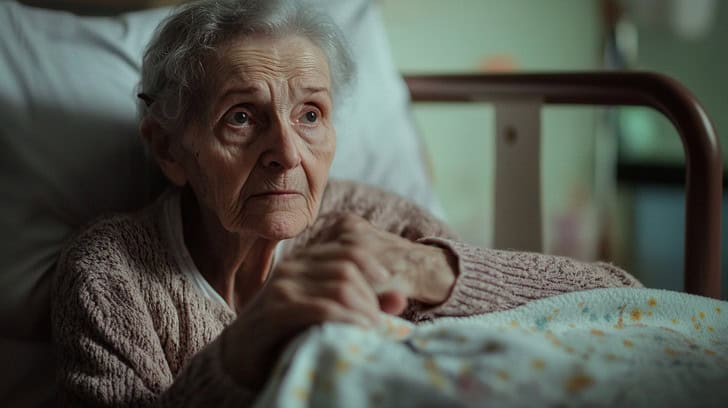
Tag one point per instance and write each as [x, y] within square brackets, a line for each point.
[189, 301]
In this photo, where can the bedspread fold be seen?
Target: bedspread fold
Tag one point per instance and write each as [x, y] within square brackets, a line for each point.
[602, 347]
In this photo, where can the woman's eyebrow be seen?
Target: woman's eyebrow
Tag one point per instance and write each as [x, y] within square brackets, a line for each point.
[254, 90]
[231, 91]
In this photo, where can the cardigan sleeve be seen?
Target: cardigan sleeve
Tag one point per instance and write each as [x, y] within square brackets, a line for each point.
[492, 280]
[487, 280]
[108, 352]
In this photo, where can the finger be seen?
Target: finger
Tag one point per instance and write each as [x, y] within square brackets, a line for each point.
[342, 282]
[348, 222]
[352, 298]
[329, 227]
[298, 303]
[392, 302]
[373, 270]
[397, 283]
[312, 278]
[320, 310]
[391, 296]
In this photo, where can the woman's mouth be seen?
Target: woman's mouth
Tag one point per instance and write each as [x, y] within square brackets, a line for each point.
[277, 194]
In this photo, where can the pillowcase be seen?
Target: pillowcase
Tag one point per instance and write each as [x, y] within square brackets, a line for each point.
[71, 151]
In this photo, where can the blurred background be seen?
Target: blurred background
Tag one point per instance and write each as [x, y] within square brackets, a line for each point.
[612, 178]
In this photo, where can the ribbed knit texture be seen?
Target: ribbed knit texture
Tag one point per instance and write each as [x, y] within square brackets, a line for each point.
[131, 330]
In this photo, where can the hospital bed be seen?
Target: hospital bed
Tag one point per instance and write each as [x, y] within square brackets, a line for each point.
[96, 165]
[518, 99]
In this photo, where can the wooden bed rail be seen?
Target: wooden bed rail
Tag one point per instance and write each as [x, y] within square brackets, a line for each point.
[703, 162]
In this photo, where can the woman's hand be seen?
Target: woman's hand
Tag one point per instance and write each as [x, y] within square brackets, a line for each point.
[300, 293]
[349, 273]
[391, 264]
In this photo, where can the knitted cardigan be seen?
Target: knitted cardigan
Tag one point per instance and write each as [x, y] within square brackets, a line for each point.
[131, 330]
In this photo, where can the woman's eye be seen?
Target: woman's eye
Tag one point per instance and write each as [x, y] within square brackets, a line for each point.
[310, 117]
[238, 118]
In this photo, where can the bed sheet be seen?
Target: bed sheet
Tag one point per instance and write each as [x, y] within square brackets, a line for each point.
[605, 347]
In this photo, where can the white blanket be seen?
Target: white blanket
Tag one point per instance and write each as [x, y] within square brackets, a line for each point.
[605, 347]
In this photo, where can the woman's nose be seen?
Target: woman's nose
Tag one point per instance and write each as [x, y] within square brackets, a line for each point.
[283, 152]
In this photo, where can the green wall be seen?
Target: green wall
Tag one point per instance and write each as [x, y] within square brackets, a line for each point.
[455, 36]
[700, 64]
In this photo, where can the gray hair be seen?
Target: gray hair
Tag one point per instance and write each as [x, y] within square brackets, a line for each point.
[173, 68]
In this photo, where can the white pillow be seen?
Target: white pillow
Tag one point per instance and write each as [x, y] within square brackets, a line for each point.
[377, 141]
[70, 149]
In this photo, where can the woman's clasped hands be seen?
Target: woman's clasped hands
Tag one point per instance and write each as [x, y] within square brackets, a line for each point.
[349, 273]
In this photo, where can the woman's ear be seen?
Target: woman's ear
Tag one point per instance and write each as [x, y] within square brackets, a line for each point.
[159, 142]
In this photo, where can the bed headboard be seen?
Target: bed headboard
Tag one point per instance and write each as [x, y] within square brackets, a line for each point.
[703, 164]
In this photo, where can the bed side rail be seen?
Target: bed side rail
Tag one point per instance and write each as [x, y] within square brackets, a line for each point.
[703, 161]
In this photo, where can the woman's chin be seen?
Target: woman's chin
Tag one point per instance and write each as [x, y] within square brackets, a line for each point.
[279, 226]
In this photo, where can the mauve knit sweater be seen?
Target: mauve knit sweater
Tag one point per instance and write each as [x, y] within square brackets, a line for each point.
[131, 330]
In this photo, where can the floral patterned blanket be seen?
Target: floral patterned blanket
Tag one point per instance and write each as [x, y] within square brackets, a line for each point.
[604, 347]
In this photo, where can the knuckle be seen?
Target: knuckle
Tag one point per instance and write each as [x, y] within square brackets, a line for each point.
[350, 222]
[350, 238]
[355, 253]
[342, 294]
[321, 311]
[345, 271]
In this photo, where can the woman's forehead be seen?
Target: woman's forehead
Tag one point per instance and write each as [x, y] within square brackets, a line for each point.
[260, 61]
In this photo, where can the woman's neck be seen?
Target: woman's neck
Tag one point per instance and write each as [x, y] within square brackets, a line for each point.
[235, 265]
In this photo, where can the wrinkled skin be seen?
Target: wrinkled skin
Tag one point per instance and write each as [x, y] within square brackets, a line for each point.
[254, 169]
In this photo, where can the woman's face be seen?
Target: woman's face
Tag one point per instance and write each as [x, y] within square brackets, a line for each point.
[259, 156]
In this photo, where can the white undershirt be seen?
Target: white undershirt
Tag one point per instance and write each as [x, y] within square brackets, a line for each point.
[171, 225]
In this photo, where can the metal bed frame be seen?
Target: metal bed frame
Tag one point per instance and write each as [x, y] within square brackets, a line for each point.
[518, 99]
